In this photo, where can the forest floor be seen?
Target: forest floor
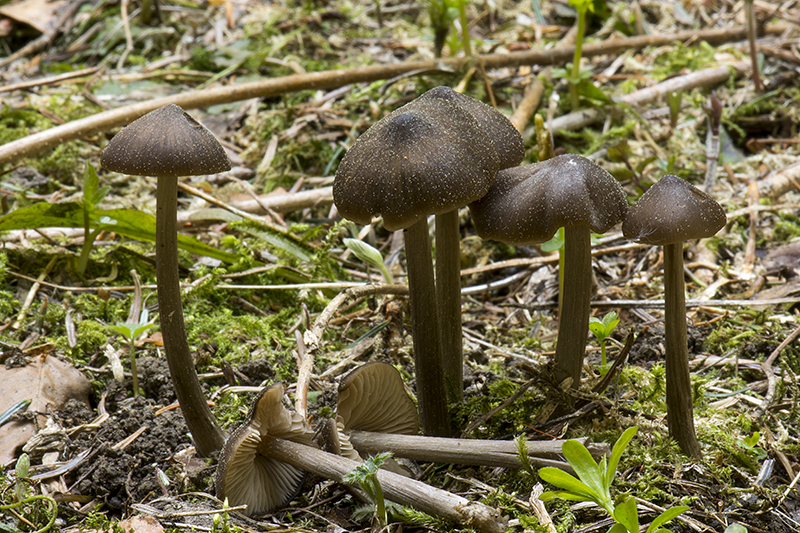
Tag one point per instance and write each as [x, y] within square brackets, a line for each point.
[264, 254]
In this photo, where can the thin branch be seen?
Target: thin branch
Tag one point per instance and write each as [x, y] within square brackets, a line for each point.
[766, 366]
[107, 120]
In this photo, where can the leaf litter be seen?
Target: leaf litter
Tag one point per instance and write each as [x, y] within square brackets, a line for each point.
[293, 142]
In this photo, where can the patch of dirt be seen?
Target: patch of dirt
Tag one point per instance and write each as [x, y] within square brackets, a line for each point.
[117, 473]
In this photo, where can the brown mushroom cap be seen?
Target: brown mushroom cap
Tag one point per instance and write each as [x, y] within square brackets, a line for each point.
[428, 157]
[245, 474]
[528, 204]
[373, 398]
[671, 211]
[165, 143]
[505, 137]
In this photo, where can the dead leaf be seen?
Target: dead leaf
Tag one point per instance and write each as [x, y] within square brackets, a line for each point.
[40, 14]
[47, 381]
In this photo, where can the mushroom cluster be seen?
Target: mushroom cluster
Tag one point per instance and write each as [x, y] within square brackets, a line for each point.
[430, 157]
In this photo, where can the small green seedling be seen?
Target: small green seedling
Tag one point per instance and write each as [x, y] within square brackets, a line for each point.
[370, 256]
[366, 476]
[93, 194]
[750, 444]
[26, 505]
[593, 484]
[736, 528]
[602, 329]
[131, 331]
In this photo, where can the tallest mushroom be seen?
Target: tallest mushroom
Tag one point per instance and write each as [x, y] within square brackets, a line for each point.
[430, 156]
[166, 144]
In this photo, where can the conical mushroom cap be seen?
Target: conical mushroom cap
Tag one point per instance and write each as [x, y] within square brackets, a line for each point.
[528, 204]
[373, 398]
[428, 157]
[165, 143]
[672, 211]
[505, 137]
[245, 473]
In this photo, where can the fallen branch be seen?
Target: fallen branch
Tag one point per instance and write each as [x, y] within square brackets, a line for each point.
[16, 150]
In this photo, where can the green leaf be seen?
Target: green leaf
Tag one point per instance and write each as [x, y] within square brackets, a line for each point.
[589, 90]
[665, 517]
[618, 528]
[555, 243]
[562, 480]
[616, 453]
[565, 495]
[587, 469]
[125, 222]
[369, 255]
[131, 330]
[627, 515]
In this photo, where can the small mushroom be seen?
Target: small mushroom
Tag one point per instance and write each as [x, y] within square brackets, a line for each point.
[528, 204]
[246, 474]
[668, 213]
[430, 156]
[168, 143]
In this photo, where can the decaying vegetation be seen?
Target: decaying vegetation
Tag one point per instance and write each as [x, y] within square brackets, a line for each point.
[273, 293]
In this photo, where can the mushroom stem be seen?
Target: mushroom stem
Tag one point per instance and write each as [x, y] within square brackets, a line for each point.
[680, 412]
[448, 292]
[207, 435]
[397, 488]
[425, 318]
[573, 327]
[502, 453]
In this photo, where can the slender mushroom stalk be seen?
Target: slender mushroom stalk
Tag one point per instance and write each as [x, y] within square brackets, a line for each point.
[668, 213]
[428, 157]
[510, 151]
[375, 414]
[168, 143]
[528, 204]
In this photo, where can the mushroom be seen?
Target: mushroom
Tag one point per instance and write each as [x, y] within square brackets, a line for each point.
[168, 143]
[668, 213]
[428, 157]
[246, 475]
[510, 150]
[259, 467]
[528, 204]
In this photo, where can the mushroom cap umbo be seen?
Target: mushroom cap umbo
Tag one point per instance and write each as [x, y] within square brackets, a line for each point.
[245, 473]
[428, 157]
[373, 398]
[505, 137]
[528, 204]
[671, 211]
[165, 143]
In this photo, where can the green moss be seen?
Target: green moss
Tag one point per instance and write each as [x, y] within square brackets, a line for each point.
[680, 57]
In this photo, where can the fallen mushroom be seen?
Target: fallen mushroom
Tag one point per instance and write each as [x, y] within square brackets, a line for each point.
[245, 474]
[375, 414]
[259, 442]
[166, 144]
[528, 204]
[668, 213]
[428, 157]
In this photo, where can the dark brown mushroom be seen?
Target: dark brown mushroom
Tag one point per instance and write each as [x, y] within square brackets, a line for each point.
[668, 213]
[510, 151]
[428, 157]
[168, 143]
[528, 204]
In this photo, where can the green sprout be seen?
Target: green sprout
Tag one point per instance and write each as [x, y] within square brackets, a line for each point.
[131, 331]
[92, 196]
[23, 501]
[366, 476]
[750, 444]
[602, 329]
[573, 73]
[370, 256]
[593, 484]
